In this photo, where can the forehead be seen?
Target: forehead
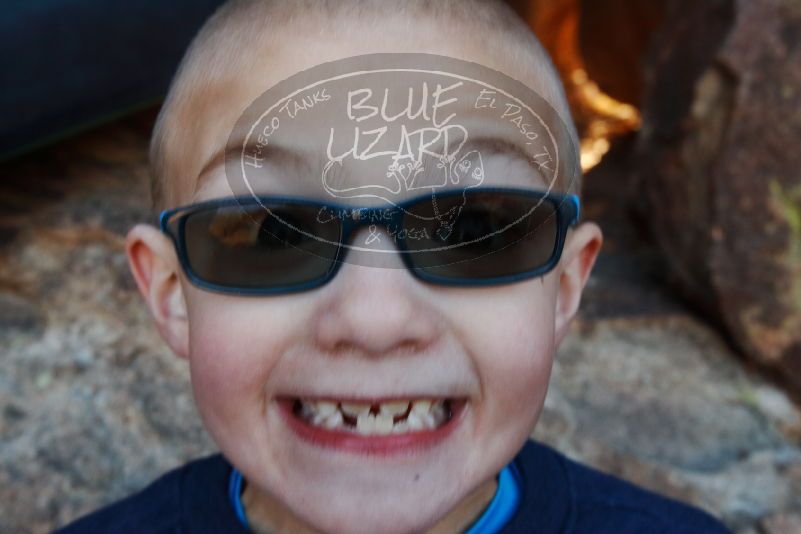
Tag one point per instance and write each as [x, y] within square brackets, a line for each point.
[298, 156]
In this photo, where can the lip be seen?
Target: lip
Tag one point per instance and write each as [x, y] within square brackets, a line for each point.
[375, 444]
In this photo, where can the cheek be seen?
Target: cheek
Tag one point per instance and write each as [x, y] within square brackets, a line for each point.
[518, 367]
[512, 345]
[231, 356]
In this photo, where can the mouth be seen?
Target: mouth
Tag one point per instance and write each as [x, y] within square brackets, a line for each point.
[373, 426]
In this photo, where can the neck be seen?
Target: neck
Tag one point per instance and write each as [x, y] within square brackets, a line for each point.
[267, 516]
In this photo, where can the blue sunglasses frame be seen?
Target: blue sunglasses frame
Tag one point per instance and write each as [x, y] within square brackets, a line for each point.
[567, 209]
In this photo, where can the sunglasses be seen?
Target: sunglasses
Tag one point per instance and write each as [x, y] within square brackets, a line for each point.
[257, 245]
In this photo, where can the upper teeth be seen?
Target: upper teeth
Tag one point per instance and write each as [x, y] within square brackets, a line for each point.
[395, 408]
[354, 409]
[384, 418]
[326, 408]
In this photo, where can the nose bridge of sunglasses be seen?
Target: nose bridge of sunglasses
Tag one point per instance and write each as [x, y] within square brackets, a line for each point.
[373, 238]
[373, 245]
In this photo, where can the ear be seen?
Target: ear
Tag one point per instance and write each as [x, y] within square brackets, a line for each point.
[578, 258]
[154, 265]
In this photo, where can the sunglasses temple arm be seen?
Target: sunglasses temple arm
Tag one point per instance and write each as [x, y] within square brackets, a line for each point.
[576, 211]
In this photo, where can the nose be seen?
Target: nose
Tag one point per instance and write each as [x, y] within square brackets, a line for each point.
[374, 306]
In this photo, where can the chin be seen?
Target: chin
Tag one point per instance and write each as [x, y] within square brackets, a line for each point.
[388, 516]
[385, 505]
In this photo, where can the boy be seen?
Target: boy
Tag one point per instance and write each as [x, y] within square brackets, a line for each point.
[376, 362]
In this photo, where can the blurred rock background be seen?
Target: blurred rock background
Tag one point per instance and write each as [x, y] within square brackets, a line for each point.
[680, 373]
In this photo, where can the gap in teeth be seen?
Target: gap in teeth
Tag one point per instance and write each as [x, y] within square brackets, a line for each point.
[392, 417]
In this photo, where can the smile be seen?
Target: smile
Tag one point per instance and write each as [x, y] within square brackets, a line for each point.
[392, 417]
[375, 426]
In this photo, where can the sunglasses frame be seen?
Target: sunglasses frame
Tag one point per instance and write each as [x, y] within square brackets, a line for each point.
[567, 210]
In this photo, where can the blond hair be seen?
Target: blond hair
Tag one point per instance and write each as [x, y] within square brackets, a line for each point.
[216, 52]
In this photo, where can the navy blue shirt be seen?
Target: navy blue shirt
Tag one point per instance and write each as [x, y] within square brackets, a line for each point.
[556, 495]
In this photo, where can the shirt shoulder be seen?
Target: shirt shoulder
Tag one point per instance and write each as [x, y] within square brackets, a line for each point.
[181, 500]
[605, 503]
[597, 502]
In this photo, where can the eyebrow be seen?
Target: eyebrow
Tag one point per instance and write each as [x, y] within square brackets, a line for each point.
[272, 152]
[277, 153]
[500, 146]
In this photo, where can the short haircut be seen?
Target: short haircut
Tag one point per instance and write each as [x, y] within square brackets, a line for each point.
[215, 55]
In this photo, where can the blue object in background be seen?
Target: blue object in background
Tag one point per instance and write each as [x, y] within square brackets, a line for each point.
[67, 65]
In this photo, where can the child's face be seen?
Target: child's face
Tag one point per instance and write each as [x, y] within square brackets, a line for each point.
[371, 334]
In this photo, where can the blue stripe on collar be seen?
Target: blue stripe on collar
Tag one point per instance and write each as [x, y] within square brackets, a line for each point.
[500, 509]
[502, 506]
[235, 495]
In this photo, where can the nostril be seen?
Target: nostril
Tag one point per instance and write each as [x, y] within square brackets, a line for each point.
[405, 348]
[374, 324]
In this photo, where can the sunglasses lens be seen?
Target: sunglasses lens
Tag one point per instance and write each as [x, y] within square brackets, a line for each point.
[260, 246]
[481, 234]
